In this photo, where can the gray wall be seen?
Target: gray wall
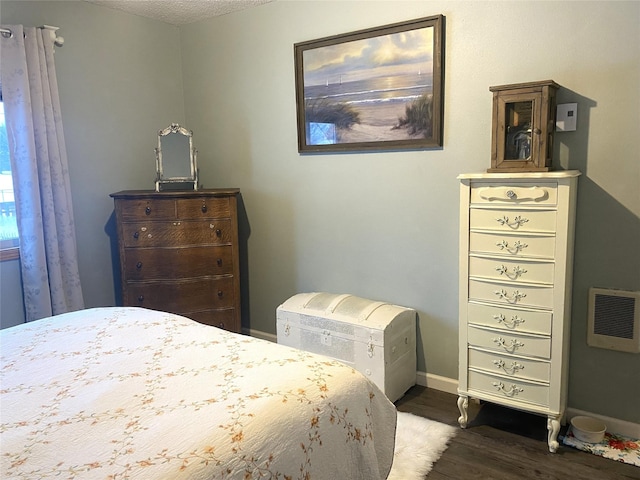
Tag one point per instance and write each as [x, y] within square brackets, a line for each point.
[378, 225]
[120, 81]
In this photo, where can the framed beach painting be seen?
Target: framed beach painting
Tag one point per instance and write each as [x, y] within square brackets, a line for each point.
[374, 89]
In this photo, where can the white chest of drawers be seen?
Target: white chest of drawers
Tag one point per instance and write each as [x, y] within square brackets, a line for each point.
[516, 262]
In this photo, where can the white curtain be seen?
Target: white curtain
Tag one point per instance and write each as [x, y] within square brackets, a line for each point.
[48, 254]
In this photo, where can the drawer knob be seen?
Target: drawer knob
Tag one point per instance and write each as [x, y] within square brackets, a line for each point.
[509, 347]
[221, 325]
[136, 235]
[512, 392]
[517, 221]
[147, 210]
[218, 232]
[139, 265]
[512, 324]
[514, 249]
[219, 262]
[511, 194]
[220, 293]
[140, 298]
[515, 298]
[204, 208]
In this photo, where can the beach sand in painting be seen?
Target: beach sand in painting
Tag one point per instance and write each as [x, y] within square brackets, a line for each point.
[377, 124]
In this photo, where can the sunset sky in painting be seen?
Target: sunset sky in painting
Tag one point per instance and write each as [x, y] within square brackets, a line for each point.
[406, 51]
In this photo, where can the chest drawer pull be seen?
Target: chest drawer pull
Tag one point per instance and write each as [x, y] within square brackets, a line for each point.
[515, 248]
[515, 366]
[517, 222]
[136, 235]
[140, 298]
[515, 321]
[139, 265]
[512, 347]
[220, 293]
[147, 210]
[515, 298]
[517, 272]
[511, 195]
[219, 262]
[512, 392]
[204, 207]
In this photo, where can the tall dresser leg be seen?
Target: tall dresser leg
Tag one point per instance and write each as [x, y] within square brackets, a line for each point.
[463, 405]
[553, 426]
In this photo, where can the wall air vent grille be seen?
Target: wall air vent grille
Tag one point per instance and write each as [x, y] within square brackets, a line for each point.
[614, 320]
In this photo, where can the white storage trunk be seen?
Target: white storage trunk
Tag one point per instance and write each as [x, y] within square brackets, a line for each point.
[375, 338]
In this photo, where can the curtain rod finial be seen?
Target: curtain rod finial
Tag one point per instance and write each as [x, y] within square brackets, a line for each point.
[59, 41]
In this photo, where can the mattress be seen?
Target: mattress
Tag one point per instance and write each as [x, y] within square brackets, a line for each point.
[117, 393]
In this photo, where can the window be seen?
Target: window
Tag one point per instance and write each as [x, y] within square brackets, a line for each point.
[8, 224]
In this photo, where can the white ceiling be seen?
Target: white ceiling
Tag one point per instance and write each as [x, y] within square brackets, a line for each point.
[179, 12]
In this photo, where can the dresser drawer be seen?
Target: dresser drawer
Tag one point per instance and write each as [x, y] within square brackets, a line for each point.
[509, 319]
[510, 366]
[530, 221]
[502, 244]
[177, 233]
[511, 270]
[202, 207]
[182, 296]
[511, 388]
[147, 209]
[508, 342]
[224, 318]
[520, 194]
[521, 295]
[167, 263]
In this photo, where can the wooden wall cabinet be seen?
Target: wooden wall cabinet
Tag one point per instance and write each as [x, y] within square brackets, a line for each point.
[516, 263]
[179, 253]
[524, 120]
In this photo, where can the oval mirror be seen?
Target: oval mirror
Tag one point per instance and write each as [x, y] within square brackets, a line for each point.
[176, 164]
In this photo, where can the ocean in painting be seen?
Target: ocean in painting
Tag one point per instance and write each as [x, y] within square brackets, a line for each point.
[379, 100]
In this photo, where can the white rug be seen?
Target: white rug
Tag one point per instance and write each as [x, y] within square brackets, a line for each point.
[419, 443]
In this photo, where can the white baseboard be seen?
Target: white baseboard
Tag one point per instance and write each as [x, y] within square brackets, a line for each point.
[444, 384]
[450, 385]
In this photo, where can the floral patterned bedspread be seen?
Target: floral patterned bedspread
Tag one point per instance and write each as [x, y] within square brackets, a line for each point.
[116, 393]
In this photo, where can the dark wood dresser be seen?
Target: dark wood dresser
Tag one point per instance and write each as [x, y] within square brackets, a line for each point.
[179, 253]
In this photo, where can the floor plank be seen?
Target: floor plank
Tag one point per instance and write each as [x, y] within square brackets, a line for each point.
[503, 444]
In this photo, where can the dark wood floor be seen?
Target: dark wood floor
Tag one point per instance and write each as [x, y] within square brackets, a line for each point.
[500, 444]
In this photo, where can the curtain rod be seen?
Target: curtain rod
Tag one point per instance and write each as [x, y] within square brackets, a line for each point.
[59, 41]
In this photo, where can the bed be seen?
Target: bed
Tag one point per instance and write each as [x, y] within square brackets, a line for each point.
[116, 393]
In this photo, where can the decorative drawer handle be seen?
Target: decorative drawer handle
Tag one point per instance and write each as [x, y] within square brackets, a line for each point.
[515, 248]
[515, 366]
[218, 232]
[512, 324]
[140, 298]
[136, 235]
[221, 325]
[517, 272]
[220, 293]
[204, 208]
[147, 210]
[512, 347]
[515, 298]
[139, 265]
[511, 195]
[219, 262]
[517, 222]
[512, 392]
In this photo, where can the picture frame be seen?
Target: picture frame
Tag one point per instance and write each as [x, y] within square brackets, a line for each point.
[376, 89]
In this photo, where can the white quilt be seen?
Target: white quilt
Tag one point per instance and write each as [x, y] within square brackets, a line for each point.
[119, 393]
